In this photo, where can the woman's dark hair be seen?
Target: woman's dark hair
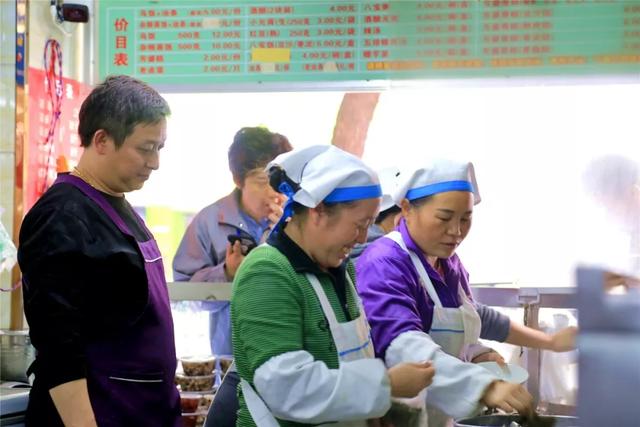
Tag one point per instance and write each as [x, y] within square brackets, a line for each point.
[278, 176]
[416, 203]
[117, 105]
[393, 210]
[254, 147]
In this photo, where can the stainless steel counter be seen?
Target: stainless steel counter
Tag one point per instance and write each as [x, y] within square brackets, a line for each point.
[13, 404]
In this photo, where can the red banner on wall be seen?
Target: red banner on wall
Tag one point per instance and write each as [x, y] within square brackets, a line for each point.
[41, 156]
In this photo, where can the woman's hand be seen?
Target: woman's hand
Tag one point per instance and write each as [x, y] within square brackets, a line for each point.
[409, 379]
[490, 356]
[613, 280]
[564, 339]
[276, 209]
[508, 397]
[233, 259]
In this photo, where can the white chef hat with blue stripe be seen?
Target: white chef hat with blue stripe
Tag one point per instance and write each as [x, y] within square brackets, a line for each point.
[324, 173]
[437, 176]
[389, 184]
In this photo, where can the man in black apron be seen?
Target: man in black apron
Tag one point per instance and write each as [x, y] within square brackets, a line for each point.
[95, 295]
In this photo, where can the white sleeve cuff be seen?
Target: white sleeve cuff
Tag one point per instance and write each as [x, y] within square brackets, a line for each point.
[410, 346]
[457, 386]
[298, 388]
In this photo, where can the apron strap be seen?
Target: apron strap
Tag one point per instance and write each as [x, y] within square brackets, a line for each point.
[422, 272]
[261, 415]
[324, 301]
[96, 197]
[464, 298]
[337, 330]
[356, 296]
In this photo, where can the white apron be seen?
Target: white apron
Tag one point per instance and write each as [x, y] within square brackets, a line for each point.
[352, 341]
[452, 328]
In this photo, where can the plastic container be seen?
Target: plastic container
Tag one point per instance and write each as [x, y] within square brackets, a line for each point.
[198, 365]
[195, 383]
[225, 362]
[190, 401]
[205, 401]
[193, 419]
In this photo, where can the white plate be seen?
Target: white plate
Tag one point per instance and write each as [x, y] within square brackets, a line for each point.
[511, 372]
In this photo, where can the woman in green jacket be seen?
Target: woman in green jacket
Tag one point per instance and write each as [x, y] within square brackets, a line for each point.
[300, 336]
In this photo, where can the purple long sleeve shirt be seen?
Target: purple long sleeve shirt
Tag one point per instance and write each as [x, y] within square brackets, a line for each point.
[396, 302]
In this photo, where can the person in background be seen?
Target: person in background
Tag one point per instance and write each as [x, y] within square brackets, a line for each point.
[205, 253]
[300, 336]
[95, 295]
[612, 182]
[389, 214]
[416, 294]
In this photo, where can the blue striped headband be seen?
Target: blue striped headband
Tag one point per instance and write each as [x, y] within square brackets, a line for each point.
[439, 187]
[348, 194]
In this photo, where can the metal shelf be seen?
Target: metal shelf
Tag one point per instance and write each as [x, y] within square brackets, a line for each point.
[510, 296]
[199, 291]
[531, 299]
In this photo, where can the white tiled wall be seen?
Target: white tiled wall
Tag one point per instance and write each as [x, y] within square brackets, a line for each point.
[7, 137]
[76, 66]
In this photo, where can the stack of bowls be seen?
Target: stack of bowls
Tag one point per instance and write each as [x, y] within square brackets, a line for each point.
[196, 388]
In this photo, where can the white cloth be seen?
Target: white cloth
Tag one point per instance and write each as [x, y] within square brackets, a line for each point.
[296, 387]
[457, 386]
[320, 169]
[438, 176]
[609, 244]
[389, 182]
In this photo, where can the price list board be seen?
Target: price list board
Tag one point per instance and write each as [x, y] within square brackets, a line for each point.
[212, 41]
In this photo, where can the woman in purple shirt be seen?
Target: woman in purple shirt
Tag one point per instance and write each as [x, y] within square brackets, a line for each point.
[416, 295]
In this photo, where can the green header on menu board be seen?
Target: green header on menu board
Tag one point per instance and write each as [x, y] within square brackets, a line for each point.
[214, 41]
